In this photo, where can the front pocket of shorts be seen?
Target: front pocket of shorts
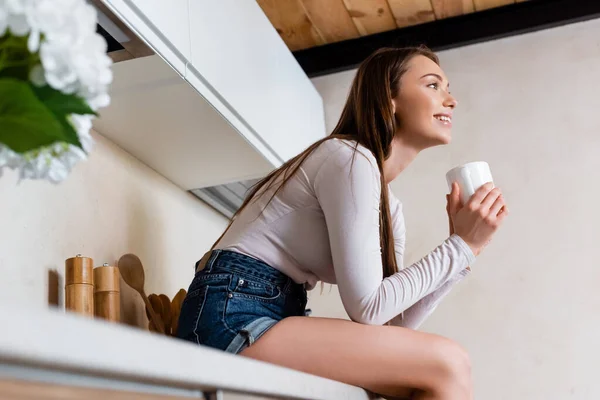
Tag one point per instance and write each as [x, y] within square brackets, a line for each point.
[255, 289]
[202, 279]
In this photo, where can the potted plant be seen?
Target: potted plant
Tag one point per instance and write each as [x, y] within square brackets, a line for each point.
[54, 77]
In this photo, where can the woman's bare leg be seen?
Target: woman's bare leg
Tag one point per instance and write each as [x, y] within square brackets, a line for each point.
[387, 360]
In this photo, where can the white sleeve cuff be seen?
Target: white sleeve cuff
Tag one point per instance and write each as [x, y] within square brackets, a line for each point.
[465, 248]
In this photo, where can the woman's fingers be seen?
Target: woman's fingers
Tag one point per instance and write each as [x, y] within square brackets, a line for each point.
[489, 200]
[478, 221]
[496, 208]
[477, 197]
[503, 213]
[454, 199]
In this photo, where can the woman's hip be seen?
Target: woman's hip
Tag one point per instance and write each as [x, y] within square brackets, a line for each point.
[235, 299]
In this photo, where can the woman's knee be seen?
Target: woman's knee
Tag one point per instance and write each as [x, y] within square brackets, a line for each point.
[453, 367]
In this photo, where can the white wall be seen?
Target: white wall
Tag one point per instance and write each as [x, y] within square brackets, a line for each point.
[110, 205]
[530, 312]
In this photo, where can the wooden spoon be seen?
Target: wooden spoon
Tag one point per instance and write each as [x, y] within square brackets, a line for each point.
[176, 310]
[156, 304]
[166, 312]
[146, 308]
[132, 271]
[158, 309]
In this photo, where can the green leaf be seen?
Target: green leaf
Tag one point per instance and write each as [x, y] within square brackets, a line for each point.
[62, 105]
[69, 132]
[25, 122]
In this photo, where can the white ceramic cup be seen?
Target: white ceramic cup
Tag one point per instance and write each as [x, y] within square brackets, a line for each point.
[470, 177]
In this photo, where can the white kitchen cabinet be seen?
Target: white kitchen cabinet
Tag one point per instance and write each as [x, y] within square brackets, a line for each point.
[163, 25]
[230, 103]
[159, 118]
[236, 50]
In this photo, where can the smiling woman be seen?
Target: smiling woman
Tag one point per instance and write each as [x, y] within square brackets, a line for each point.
[424, 104]
[329, 215]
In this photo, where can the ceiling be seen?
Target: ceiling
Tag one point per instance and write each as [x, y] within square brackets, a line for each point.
[328, 36]
[304, 24]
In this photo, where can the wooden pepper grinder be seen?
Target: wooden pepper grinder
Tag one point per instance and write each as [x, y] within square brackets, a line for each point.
[79, 285]
[107, 293]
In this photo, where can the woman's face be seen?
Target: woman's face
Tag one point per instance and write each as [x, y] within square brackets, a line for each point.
[424, 106]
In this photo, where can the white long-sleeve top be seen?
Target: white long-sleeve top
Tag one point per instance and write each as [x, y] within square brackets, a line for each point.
[324, 226]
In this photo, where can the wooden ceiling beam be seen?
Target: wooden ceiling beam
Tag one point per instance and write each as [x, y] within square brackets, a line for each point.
[371, 16]
[292, 23]
[515, 19]
[331, 19]
[452, 8]
[487, 4]
[411, 12]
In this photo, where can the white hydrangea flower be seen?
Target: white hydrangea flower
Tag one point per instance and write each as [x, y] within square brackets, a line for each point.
[9, 158]
[57, 67]
[52, 163]
[16, 15]
[73, 61]
[45, 18]
[17, 24]
[83, 125]
[18, 7]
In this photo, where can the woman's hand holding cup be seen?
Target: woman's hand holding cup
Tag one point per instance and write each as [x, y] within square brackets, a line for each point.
[477, 220]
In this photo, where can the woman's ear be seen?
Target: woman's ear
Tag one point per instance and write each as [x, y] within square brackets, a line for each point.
[394, 106]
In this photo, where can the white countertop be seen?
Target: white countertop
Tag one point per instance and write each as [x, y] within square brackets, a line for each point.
[53, 340]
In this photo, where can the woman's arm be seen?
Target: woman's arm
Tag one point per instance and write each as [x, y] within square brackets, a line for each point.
[349, 197]
[415, 315]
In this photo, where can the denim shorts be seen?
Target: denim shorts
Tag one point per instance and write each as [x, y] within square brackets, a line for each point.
[235, 299]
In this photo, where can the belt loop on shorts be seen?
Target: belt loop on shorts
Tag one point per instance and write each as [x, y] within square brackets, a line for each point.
[207, 260]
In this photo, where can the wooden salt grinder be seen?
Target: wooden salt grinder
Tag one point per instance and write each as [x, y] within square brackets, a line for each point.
[107, 293]
[79, 285]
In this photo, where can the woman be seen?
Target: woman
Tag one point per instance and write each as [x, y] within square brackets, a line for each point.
[328, 215]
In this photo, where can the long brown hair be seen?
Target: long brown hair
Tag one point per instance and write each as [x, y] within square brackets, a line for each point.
[367, 118]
